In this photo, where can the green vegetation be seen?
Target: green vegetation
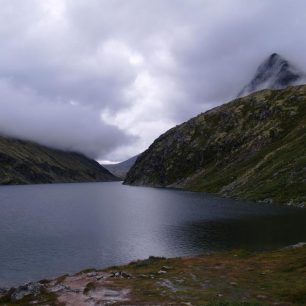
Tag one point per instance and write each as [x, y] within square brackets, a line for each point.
[44, 298]
[89, 287]
[252, 148]
[24, 162]
[233, 278]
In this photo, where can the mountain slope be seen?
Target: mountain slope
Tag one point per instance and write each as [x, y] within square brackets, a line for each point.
[253, 148]
[274, 73]
[23, 162]
[121, 169]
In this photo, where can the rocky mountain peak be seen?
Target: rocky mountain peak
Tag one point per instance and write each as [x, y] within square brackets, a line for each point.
[274, 73]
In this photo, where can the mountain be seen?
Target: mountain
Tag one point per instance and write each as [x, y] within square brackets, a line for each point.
[274, 73]
[24, 162]
[252, 148]
[121, 169]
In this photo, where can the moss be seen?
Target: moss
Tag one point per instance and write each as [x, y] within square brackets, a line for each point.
[89, 287]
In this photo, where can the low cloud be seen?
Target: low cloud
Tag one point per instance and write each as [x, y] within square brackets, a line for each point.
[107, 77]
[68, 126]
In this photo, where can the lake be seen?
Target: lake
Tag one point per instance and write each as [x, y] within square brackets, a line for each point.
[49, 230]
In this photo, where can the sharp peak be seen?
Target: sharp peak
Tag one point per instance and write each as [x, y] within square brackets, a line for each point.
[274, 72]
[273, 62]
[275, 57]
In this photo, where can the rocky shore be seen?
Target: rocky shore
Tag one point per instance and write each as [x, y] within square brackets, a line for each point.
[237, 277]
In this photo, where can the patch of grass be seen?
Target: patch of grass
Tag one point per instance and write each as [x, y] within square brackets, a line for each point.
[88, 270]
[230, 278]
[233, 304]
[233, 278]
[89, 287]
[60, 279]
[295, 295]
[152, 260]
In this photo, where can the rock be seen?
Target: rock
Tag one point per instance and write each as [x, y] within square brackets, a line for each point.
[169, 285]
[58, 288]
[125, 275]
[164, 269]
[98, 277]
[233, 283]
[261, 297]
[296, 246]
[120, 274]
[111, 293]
[2, 291]
[92, 274]
[268, 201]
[25, 290]
[219, 295]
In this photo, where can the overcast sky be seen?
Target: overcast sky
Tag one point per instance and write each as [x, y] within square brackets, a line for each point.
[106, 77]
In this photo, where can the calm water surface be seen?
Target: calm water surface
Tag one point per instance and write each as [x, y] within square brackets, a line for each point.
[49, 230]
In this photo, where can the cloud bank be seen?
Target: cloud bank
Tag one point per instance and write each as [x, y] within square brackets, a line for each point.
[107, 77]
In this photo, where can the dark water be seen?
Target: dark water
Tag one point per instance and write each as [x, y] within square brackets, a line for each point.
[49, 230]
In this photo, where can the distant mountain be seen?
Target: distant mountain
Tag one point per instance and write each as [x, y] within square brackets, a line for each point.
[121, 169]
[24, 162]
[252, 148]
[274, 73]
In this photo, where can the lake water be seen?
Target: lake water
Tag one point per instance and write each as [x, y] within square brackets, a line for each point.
[49, 230]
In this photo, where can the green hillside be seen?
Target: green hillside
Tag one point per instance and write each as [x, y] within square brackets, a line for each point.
[253, 148]
[23, 162]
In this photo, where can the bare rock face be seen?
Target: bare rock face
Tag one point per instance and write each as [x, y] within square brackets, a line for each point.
[274, 73]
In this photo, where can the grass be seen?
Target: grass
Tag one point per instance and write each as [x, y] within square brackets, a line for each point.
[24, 162]
[234, 278]
[251, 148]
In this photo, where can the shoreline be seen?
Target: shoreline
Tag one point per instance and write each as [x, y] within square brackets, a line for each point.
[290, 203]
[223, 278]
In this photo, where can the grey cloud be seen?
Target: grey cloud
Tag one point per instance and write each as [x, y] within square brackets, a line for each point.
[218, 63]
[143, 66]
[27, 115]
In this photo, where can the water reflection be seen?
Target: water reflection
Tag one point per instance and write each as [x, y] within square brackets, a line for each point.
[253, 233]
[48, 230]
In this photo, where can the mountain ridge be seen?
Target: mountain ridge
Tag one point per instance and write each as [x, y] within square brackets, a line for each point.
[25, 162]
[252, 148]
[121, 169]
